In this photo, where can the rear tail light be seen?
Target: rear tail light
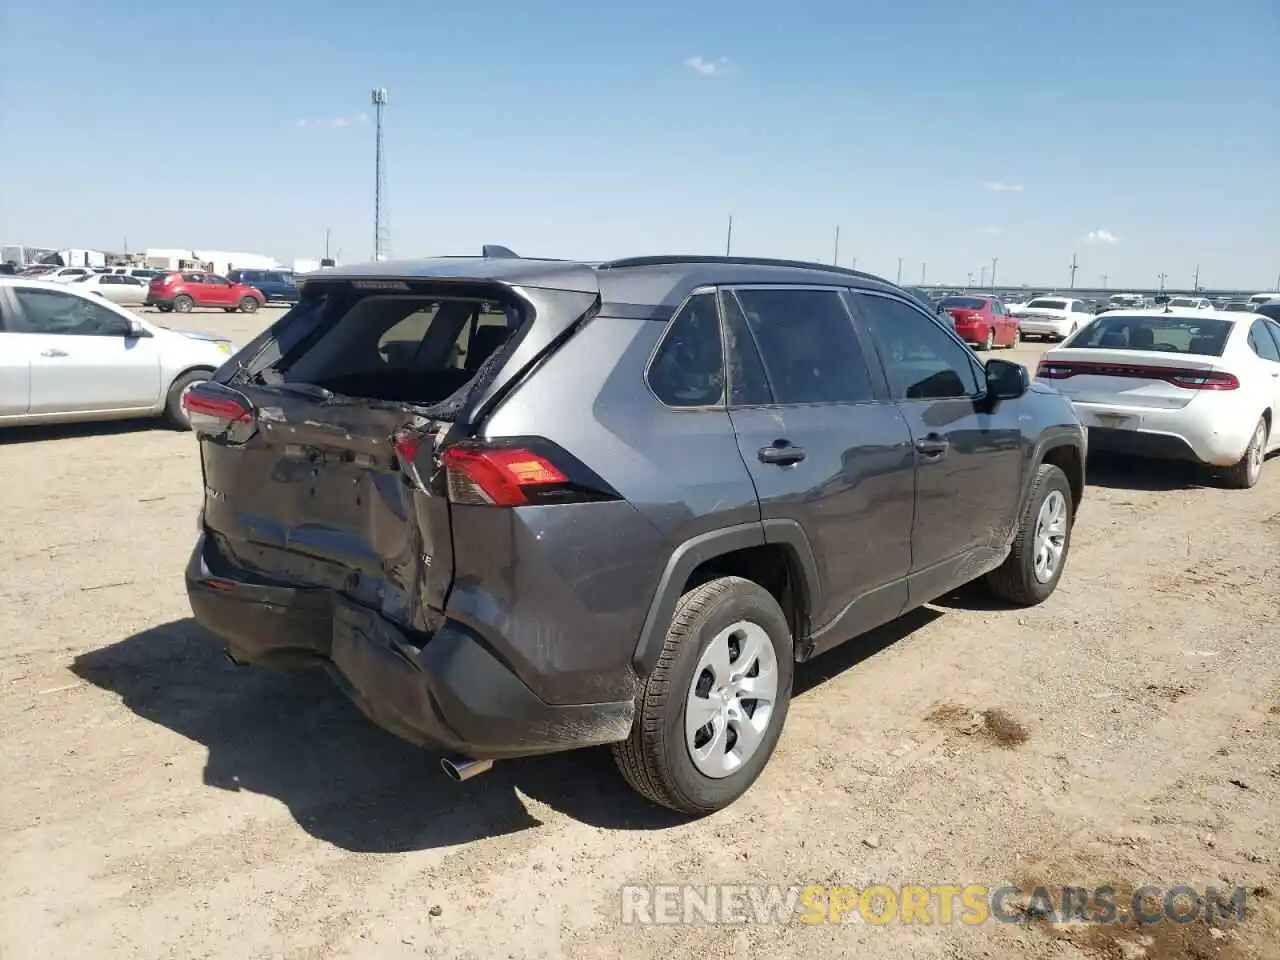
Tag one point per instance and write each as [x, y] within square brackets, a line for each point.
[216, 411]
[1176, 376]
[509, 473]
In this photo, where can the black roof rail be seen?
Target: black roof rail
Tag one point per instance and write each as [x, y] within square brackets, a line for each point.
[675, 259]
[497, 252]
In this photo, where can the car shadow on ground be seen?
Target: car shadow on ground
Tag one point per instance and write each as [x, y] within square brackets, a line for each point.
[294, 737]
[72, 431]
[1117, 472]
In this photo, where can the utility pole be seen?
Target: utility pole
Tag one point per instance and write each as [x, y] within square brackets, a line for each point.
[326, 243]
[1195, 280]
[1105, 277]
[982, 277]
[922, 268]
[1075, 266]
[381, 233]
[1162, 277]
[855, 263]
[728, 237]
[970, 283]
[899, 271]
[994, 261]
[835, 255]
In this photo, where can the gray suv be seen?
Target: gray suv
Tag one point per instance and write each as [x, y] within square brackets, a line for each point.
[520, 506]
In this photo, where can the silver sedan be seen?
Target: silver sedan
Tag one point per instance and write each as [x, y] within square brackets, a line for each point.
[118, 288]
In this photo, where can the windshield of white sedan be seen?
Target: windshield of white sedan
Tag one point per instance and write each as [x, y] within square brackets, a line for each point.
[1047, 305]
[1167, 334]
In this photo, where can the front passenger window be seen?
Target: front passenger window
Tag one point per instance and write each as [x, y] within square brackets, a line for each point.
[921, 361]
[688, 369]
[1261, 343]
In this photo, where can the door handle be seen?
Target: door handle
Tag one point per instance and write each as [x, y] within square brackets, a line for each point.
[782, 452]
[932, 447]
[53, 353]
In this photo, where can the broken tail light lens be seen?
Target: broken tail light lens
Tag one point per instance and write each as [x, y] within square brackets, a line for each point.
[214, 410]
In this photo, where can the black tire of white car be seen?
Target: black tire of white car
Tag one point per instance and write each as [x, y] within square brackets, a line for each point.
[174, 415]
[656, 760]
[1245, 474]
[1015, 580]
[249, 305]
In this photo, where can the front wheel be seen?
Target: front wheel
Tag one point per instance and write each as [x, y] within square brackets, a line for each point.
[174, 414]
[249, 305]
[182, 303]
[1246, 473]
[710, 714]
[1034, 566]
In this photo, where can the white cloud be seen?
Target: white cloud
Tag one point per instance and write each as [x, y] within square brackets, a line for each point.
[333, 123]
[1101, 236]
[999, 186]
[993, 231]
[708, 68]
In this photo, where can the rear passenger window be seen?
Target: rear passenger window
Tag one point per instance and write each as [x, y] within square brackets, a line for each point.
[921, 361]
[748, 382]
[809, 346]
[1261, 343]
[688, 368]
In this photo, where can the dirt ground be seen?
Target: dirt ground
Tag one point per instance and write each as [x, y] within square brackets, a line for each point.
[159, 802]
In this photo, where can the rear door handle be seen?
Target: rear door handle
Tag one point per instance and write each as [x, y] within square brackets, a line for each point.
[932, 447]
[782, 452]
[53, 353]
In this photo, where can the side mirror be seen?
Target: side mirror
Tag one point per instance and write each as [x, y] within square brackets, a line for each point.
[1006, 380]
[136, 330]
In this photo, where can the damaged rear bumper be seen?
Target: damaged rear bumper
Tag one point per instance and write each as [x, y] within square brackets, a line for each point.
[451, 692]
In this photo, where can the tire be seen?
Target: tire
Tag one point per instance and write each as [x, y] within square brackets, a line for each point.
[989, 341]
[230, 309]
[174, 415]
[1020, 580]
[657, 759]
[182, 303]
[1244, 474]
[1017, 338]
[165, 309]
[249, 305]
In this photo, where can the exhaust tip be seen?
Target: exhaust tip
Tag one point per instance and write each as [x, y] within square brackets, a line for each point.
[463, 769]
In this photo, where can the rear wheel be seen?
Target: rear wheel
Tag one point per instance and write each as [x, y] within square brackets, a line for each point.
[1034, 566]
[989, 341]
[249, 305]
[1248, 470]
[174, 414]
[709, 716]
[182, 303]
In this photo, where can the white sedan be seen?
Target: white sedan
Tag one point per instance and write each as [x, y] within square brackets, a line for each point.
[117, 287]
[1189, 384]
[69, 356]
[1054, 318]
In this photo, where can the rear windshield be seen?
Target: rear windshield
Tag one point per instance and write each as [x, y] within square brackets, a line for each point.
[397, 346]
[1167, 334]
[964, 303]
[1184, 302]
[1048, 304]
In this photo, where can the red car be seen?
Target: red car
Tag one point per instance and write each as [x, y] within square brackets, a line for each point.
[982, 321]
[185, 291]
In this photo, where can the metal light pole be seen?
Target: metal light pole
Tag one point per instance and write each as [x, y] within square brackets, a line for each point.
[835, 256]
[1075, 266]
[1105, 278]
[381, 234]
[1162, 277]
[1195, 280]
[855, 263]
[994, 261]
[970, 283]
[922, 267]
[899, 271]
[728, 237]
[982, 277]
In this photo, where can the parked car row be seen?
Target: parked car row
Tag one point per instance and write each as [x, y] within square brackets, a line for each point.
[182, 290]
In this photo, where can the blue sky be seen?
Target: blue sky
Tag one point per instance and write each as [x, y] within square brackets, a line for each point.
[1140, 137]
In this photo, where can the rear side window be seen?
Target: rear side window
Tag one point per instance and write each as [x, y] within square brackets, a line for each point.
[1262, 343]
[687, 370]
[808, 343]
[193, 277]
[1168, 334]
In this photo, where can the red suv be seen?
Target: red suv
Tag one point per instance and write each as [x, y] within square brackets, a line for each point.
[983, 321]
[184, 291]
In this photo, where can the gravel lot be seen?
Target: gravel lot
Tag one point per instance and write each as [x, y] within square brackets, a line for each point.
[159, 802]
